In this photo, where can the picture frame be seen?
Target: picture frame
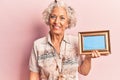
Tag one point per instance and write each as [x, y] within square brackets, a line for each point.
[94, 40]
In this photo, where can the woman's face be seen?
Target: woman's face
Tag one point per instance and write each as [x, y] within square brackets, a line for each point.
[58, 20]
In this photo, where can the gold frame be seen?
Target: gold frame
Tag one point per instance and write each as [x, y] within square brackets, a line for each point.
[105, 33]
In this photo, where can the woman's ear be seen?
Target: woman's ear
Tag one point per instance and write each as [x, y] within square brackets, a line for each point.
[67, 25]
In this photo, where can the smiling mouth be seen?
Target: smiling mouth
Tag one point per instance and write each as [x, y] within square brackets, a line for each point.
[56, 27]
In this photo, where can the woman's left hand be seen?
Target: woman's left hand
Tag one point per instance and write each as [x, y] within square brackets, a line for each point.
[94, 54]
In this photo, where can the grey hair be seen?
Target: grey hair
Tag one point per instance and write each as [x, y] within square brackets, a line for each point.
[70, 12]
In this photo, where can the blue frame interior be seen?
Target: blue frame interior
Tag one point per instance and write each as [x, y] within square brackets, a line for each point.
[94, 42]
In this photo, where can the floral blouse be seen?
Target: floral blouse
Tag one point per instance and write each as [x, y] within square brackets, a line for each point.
[52, 66]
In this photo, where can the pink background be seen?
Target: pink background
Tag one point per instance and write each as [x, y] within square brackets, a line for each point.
[21, 23]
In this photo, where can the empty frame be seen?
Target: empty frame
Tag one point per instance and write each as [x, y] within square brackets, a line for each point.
[94, 40]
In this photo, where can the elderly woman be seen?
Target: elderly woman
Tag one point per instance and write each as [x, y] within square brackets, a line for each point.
[56, 56]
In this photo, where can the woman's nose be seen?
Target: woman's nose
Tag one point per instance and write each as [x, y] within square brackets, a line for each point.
[57, 20]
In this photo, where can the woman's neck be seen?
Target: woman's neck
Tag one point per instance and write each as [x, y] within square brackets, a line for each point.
[56, 41]
[56, 38]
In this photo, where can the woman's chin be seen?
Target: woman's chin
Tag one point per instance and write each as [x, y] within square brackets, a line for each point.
[57, 32]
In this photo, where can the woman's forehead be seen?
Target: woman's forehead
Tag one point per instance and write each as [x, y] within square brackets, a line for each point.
[60, 10]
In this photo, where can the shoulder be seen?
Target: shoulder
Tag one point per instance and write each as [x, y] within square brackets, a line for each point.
[40, 44]
[73, 39]
[40, 41]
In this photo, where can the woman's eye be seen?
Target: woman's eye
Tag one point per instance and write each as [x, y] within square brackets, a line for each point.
[52, 16]
[55, 17]
[62, 18]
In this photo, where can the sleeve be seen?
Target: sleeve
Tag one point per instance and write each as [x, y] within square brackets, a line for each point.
[33, 64]
[80, 57]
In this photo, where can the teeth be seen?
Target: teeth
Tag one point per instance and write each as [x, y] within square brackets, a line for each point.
[57, 27]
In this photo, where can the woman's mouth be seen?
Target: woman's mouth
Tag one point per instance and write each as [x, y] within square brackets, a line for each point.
[56, 27]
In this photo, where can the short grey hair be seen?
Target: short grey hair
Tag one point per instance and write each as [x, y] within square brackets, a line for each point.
[70, 13]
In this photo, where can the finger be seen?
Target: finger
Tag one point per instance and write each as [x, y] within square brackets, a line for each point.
[98, 53]
[93, 55]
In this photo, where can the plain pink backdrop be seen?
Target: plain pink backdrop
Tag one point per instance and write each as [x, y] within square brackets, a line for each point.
[21, 23]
